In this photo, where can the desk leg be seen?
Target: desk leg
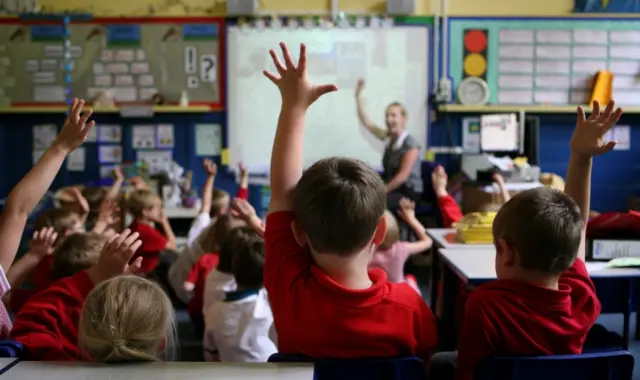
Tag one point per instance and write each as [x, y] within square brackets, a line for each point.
[435, 279]
[448, 333]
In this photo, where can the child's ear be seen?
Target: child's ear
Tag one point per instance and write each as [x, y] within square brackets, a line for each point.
[298, 234]
[381, 231]
[505, 253]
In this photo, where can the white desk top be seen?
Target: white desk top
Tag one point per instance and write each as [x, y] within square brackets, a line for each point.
[438, 236]
[478, 265]
[6, 361]
[159, 371]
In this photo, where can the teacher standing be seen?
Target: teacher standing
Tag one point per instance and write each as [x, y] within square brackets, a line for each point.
[401, 164]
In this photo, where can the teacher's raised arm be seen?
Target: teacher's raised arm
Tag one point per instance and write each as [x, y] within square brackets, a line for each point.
[364, 118]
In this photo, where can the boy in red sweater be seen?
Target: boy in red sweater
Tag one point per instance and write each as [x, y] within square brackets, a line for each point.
[321, 232]
[48, 323]
[543, 302]
[146, 208]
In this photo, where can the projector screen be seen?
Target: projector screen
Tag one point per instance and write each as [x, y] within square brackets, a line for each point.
[393, 62]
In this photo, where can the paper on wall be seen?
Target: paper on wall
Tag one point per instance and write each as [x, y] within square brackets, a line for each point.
[157, 160]
[144, 136]
[471, 135]
[106, 171]
[76, 160]
[110, 154]
[43, 136]
[110, 133]
[208, 139]
[622, 135]
[165, 136]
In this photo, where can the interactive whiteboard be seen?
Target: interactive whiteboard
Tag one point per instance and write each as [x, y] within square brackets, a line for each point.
[394, 63]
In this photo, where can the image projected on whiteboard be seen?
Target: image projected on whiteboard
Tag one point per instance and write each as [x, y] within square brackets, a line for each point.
[394, 63]
[499, 133]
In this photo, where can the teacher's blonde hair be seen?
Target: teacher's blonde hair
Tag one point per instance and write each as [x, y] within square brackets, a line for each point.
[127, 319]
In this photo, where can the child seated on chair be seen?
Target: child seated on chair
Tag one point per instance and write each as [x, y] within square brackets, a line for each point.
[392, 254]
[321, 232]
[237, 329]
[543, 302]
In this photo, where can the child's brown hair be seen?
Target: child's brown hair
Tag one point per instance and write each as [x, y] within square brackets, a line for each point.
[217, 234]
[219, 202]
[247, 249]
[62, 220]
[126, 319]
[543, 226]
[94, 196]
[393, 231]
[141, 199]
[338, 203]
[76, 252]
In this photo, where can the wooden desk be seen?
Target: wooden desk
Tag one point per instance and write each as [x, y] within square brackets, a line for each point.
[159, 371]
[6, 364]
[477, 266]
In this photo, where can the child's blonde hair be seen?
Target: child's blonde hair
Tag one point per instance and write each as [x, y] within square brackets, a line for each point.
[140, 200]
[126, 319]
[76, 252]
[62, 220]
[219, 202]
[393, 231]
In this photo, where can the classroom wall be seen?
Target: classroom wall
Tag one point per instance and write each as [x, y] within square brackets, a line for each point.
[199, 7]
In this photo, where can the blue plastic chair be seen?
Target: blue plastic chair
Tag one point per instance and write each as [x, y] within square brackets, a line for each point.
[401, 368]
[12, 349]
[612, 365]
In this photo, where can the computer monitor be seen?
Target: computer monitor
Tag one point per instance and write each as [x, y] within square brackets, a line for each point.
[500, 133]
[530, 143]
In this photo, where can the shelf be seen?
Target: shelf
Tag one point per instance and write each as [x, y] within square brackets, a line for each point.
[493, 108]
[62, 109]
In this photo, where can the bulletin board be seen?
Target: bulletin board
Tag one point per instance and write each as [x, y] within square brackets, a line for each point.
[133, 59]
[535, 61]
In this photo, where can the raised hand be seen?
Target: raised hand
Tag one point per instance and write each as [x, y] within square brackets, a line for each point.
[210, 167]
[117, 174]
[242, 169]
[359, 87]
[76, 127]
[407, 209]
[439, 180]
[43, 242]
[82, 202]
[240, 208]
[498, 179]
[115, 257]
[588, 136]
[109, 211]
[293, 82]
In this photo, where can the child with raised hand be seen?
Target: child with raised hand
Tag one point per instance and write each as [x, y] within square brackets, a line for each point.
[392, 254]
[48, 323]
[543, 295]
[28, 192]
[215, 204]
[237, 330]
[126, 319]
[321, 232]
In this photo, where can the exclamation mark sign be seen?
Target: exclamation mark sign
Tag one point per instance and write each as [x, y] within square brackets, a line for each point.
[190, 60]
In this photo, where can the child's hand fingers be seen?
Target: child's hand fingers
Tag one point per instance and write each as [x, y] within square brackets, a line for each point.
[134, 268]
[130, 240]
[277, 62]
[271, 77]
[302, 59]
[288, 61]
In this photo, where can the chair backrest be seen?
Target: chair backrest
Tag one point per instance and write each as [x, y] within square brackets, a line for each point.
[401, 368]
[612, 365]
[11, 349]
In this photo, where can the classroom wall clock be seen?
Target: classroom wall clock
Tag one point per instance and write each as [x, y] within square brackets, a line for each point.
[473, 91]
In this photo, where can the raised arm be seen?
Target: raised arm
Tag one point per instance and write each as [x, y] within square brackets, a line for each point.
[588, 141]
[408, 214]
[297, 95]
[207, 189]
[499, 180]
[118, 180]
[28, 192]
[243, 190]
[362, 114]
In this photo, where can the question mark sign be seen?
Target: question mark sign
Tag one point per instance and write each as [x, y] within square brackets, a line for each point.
[208, 66]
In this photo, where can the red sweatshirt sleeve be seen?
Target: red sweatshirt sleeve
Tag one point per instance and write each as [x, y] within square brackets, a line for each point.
[243, 193]
[48, 323]
[450, 210]
[192, 277]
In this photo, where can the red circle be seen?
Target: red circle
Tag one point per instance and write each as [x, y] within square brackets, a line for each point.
[475, 41]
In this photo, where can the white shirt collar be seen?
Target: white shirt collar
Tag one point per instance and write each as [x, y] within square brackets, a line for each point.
[400, 140]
